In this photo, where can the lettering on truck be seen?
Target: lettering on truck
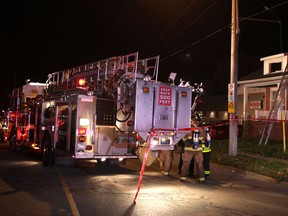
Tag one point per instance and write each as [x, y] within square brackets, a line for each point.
[165, 96]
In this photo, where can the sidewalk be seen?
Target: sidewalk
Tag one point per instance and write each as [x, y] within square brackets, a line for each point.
[227, 176]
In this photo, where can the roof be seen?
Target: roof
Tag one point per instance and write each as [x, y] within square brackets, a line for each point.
[258, 74]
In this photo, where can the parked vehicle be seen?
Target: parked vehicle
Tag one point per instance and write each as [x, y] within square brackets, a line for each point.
[102, 110]
[219, 131]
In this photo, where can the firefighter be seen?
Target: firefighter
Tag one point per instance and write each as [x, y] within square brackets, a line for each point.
[205, 139]
[192, 149]
[206, 145]
[165, 158]
[180, 146]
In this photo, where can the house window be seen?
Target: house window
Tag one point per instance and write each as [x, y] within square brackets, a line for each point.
[275, 67]
[212, 114]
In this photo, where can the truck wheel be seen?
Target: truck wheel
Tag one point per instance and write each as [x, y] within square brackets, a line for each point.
[12, 143]
[46, 151]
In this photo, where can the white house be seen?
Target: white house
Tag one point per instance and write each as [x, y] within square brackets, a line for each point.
[257, 91]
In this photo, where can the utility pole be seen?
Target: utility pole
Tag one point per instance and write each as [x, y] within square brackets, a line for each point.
[232, 86]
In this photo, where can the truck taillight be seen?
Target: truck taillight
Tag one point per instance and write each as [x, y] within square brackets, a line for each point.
[89, 147]
[154, 134]
[165, 134]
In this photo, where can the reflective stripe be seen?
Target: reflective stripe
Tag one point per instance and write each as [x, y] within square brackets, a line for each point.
[207, 172]
[206, 149]
[192, 149]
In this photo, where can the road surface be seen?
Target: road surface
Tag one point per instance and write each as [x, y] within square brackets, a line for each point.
[28, 188]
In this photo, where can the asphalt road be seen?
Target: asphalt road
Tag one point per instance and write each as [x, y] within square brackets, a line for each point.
[28, 188]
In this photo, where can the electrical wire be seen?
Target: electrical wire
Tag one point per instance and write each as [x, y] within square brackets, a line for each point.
[279, 21]
[183, 30]
[194, 43]
[169, 27]
[263, 11]
[218, 31]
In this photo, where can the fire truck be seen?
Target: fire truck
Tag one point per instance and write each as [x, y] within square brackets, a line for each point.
[102, 110]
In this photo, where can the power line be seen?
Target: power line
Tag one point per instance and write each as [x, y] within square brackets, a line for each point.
[169, 27]
[196, 42]
[183, 30]
[279, 21]
[218, 31]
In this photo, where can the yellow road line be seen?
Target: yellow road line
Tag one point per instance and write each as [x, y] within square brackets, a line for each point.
[68, 194]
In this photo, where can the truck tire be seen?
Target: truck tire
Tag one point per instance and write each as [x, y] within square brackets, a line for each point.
[46, 150]
[12, 143]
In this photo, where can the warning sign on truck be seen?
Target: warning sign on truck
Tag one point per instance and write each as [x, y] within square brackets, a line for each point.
[165, 96]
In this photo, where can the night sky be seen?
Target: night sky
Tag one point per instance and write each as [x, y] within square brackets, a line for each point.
[192, 37]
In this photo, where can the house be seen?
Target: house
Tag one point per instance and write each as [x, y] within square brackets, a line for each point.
[256, 94]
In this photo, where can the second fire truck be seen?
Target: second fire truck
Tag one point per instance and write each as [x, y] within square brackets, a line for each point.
[103, 110]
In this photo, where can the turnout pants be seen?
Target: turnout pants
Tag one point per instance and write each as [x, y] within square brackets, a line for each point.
[165, 157]
[187, 157]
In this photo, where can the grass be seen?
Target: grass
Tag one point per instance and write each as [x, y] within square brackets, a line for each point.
[268, 160]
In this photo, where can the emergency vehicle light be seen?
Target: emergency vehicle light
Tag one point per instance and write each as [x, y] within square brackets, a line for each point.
[129, 123]
[145, 89]
[166, 134]
[35, 146]
[154, 134]
[184, 93]
[81, 131]
[84, 121]
[137, 137]
[81, 82]
[81, 138]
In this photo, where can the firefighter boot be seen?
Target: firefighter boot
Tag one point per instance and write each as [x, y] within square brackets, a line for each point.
[183, 179]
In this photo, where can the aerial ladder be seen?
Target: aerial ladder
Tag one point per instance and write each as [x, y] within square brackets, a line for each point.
[272, 116]
[99, 74]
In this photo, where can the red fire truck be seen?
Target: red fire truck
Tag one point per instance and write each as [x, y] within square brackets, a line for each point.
[102, 110]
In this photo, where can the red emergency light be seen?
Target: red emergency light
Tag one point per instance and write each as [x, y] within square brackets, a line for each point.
[81, 82]
[137, 138]
[129, 123]
[81, 131]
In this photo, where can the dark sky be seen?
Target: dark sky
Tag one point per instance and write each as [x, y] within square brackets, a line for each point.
[192, 37]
